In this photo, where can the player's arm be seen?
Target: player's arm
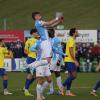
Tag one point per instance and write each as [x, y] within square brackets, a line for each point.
[58, 51]
[35, 46]
[55, 24]
[26, 48]
[73, 56]
[72, 53]
[52, 23]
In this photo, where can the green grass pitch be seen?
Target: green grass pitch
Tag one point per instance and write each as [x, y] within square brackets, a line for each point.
[83, 14]
[81, 86]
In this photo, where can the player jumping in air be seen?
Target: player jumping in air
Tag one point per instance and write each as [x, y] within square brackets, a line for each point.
[46, 51]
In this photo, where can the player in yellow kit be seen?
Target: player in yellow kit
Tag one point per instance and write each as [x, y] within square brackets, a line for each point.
[71, 62]
[3, 73]
[31, 57]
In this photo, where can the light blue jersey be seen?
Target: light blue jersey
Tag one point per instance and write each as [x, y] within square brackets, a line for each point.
[42, 31]
[57, 49]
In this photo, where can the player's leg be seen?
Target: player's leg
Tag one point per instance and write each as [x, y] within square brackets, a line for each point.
[95, 89]
[30, 78]
[52, 68]
[46, 54]
[5, 81]
[72, 74]
[40, 81]
[39, 88]
[59, 82]
[50, 82]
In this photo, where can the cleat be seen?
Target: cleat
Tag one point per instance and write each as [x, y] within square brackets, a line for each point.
[28, 94]
[60, 93]
[7, 93]
[70, 94]
[94, 94]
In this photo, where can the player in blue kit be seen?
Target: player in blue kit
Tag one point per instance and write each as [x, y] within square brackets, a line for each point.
[57, 59]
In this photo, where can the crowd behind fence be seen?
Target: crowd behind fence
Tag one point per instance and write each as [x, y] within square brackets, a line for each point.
[88, 54]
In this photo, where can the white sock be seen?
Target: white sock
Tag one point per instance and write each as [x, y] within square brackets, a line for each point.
[59, 82]
[26, 90]
[39, 90]
[44, 85]
[5, 90]
[38, 63]
[51, 87]
[94, 90]
[68, 91]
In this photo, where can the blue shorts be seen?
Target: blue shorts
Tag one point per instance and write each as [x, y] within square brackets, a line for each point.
[2, 72]
[70, 67]
[30, 60]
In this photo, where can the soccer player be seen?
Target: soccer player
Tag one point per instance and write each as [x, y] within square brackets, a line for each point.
[94, 91]
[71, 62]
[46, 49]
[31, 57]
[3, 73]
[41, 27]
[57, 59]
[41, 72]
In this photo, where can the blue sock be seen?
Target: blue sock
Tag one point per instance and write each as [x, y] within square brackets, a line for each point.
[68, 82]
[97, 85]
[27, 83]
[5, 84]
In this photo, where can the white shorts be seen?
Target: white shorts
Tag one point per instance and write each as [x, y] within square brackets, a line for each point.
[46, 49]
[43, 71]
[53, 66]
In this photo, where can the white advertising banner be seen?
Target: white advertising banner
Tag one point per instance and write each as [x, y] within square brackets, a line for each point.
[20, 63]
[8, 64]
[85, 36]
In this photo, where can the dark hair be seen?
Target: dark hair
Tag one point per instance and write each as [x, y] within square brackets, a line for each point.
[72, 31]
[34, 14]
[51, 32]
[33, 31]
[1, 40]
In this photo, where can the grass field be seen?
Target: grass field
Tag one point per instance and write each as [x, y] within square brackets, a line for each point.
[81, 86]
[83, 14]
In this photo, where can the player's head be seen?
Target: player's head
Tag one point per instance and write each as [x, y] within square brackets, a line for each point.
[73, 32]
[36, 16]
[1, 43]
[34, 33]
[51, 32]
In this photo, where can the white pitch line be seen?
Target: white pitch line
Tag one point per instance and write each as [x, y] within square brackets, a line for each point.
[19, 89]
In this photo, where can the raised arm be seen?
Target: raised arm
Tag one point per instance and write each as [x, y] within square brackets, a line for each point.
[52, 23]
[35, 46]
[59, 51]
